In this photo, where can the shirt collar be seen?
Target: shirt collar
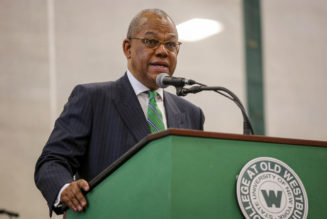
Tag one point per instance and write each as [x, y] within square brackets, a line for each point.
[138, 87]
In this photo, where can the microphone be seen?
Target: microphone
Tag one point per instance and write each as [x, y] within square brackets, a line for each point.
[163, 80]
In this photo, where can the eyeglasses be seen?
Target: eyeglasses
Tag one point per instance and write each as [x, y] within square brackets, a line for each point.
[154, 44]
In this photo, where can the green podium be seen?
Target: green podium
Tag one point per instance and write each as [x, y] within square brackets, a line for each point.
[193, 174]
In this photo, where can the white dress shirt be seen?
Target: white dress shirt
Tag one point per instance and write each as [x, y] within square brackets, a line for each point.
[143, 97]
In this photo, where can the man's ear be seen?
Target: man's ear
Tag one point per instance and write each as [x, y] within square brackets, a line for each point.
[127, 48]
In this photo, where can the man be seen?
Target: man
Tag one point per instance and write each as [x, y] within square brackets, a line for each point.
[101, 121]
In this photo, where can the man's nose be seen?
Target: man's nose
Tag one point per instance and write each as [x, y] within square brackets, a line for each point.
[162, 50]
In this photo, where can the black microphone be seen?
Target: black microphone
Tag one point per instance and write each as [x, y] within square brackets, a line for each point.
[163, 80]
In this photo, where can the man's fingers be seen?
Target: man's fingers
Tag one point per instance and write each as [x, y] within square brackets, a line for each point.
[79, 197]
[70, 205]
[76, 204]
[73, 197]
[71, 202]
[83, 184]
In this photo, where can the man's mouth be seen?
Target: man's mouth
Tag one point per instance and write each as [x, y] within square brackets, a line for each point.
[160, 66]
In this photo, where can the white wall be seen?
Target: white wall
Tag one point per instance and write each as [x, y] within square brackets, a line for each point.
[295, 58]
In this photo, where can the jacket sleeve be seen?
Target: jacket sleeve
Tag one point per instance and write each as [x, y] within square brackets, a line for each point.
[201, 120]
[67, 144]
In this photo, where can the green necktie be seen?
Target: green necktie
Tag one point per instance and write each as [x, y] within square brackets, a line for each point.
[154, 114]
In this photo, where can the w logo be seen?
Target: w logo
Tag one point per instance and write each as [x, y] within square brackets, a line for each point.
[272, 198]
[268, 184]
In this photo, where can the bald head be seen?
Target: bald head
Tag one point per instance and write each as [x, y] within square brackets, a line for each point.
[144, 59]
[141, 18]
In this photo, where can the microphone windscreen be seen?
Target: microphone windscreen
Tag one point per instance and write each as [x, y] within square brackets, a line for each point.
[159, 80]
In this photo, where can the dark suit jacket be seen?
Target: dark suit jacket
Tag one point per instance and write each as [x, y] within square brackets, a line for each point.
[99, 123]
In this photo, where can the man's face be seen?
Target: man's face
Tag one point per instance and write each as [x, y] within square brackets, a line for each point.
[146, 63]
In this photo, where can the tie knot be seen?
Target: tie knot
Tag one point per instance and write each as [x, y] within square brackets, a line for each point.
[152, 95]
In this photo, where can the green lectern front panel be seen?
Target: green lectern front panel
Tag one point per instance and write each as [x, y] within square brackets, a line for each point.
[188, 177]
[138, 189]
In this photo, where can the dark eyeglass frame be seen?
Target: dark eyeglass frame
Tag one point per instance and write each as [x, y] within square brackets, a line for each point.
[157, 43]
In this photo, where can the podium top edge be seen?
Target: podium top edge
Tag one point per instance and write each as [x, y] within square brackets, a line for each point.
[228, 136]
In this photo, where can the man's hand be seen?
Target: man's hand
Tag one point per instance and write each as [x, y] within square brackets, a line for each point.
[73, 197]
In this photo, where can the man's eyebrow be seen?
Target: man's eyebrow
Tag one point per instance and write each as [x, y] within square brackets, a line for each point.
[169, 36]
[151, 33]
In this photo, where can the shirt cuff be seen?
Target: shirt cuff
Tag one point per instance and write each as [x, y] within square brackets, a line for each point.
[57, 202]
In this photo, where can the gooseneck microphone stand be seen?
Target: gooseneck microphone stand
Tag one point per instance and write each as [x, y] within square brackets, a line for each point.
[9, 213]
[247, 127]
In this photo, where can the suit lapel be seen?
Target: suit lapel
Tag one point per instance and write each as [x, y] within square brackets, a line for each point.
[175, 117]
[130, 109]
